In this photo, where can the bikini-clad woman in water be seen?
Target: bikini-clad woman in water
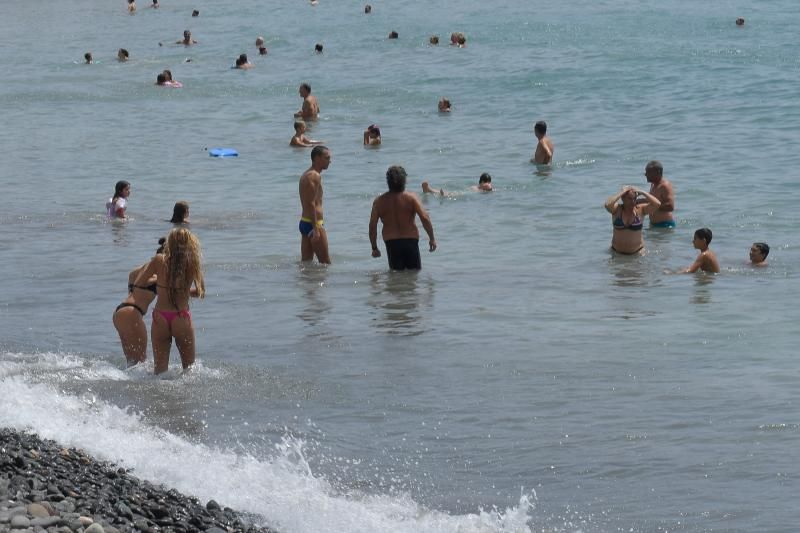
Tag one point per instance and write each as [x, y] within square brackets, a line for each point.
[129, 316]
[178, 270]
[627, 218]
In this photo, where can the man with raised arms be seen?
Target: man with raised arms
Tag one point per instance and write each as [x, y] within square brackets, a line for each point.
[314, 240]
[310, 108]
[661, 188]
[397, 209]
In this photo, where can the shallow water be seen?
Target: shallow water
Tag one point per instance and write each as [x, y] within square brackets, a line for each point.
[524, 369]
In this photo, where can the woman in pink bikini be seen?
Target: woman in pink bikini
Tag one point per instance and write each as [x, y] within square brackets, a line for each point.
[179, 275]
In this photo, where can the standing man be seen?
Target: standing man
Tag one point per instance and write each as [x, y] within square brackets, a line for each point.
[545, 148]
[396, 209]
[314, 240]
[661, 188]
[310, 109]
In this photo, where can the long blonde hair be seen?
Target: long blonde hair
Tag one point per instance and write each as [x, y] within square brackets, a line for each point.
[183, 257]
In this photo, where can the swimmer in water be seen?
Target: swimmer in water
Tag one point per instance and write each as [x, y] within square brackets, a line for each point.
[88, 58]
[484, 185]
[318, 48]
[128, 317]
[259, 42]
[262, 51]
[372, 135]
[122, 55]
[706, 259]
[299, 138]
[444, 105]
[187, 38]
[544, 148]
[177, 270]
[180, 213]
[758, 254]
[243, 63]
[367, 9]
[434, 40]
[131, 6]
[169, 82]
[627, 219]
[116, 205]
[393, 35]
[310, 108]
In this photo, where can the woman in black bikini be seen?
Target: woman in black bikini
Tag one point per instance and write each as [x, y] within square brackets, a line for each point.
[129, 315]
[180, 275]
[627, 218]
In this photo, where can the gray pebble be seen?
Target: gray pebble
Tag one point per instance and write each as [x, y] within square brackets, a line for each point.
[94, 528]
[20, 522]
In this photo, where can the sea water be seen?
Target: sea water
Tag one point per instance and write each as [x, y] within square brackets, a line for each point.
[526, 379]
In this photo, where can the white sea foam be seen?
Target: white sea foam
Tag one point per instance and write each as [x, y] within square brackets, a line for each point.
[282, 489]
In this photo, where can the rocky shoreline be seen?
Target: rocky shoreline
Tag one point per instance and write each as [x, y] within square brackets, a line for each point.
[46, 487]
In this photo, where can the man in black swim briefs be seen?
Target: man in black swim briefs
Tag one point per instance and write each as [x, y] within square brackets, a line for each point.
[397, 209]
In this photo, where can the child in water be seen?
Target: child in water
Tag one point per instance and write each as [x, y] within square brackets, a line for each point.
[706, 259]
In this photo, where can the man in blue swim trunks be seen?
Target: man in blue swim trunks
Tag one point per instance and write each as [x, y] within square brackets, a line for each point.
[397, 209]
[313, 237]
[661, 188]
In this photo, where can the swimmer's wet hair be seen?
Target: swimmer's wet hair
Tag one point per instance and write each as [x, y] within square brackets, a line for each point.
[318, 151]
[703, 233]
[299, 124]
[396, 178]
[763, 248]
[540, 127]
[306, 86]
[373, 128]
[485, 178]
[119, 187]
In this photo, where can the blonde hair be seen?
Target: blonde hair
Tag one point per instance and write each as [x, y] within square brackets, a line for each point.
[183, 257]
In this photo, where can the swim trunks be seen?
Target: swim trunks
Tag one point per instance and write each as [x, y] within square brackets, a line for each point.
[663, 224]
[306, 226]
[403, 254]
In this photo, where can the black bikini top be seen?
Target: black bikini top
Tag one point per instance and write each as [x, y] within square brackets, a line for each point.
[152, 287]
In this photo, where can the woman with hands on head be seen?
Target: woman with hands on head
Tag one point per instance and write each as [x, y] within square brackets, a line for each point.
[628, 208]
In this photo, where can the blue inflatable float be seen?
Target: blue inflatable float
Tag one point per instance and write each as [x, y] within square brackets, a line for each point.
[222, 152]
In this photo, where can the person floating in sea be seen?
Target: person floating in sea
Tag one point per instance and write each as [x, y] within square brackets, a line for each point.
[758, 254]
[128, 317]
[122, 55]
[187, 38]
[180, 213]
[131, 6]
[367, 9]
[544, 148]
[313, 237]
[310, 108]
[706, 259]
[169, 82]
[155, 4]
[661, 188]
[458, 39]
[259, 42]
[318, 48]
[444, 105]
[740, 21]
[262, 51]
[179, 275]
[434, 40]
[243, 63]
[393, 35]
[396, 210]
[195, 13]
[299, 138]
[88, 58]
[372, 135]
[117, 204]
[627, 218]
[484, 185]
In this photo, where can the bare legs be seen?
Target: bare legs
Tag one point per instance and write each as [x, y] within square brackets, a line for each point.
[162, 333]
[317, 246]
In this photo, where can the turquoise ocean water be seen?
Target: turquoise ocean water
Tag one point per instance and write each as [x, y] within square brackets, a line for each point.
[525, 379]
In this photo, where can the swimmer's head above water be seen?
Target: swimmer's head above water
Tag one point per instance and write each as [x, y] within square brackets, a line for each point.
[396, 178]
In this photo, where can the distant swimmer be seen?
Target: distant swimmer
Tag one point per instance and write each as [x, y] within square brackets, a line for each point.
[661, 188]
[758, 254]
[161, 80]
[259, 42]
[367, 9]
[131, 6]
[88, 58]
[484, 185]
[706, 259]
[627, 218]
[313, 237]
[180, 213]
[310, 108]
[179, 275]
[128, 317]
[195, 13]
[169, 82]
[155, 4]
[318, 48]
[262, 51]
[122, 55]
[444, 105]
[458, 39]
[299, 138]
[397, 210]
[740, 21]
[544, 148]
[117, 204]
[434, 40]
[187, 38]
[243, 63]
[372, 135]
[393, 35]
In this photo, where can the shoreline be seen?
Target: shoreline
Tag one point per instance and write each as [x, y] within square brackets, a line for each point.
[45, 485]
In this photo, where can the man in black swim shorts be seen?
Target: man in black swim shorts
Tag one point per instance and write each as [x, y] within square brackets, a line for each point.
[397, 209]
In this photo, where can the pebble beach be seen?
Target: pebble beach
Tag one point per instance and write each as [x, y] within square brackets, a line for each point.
[46, 487]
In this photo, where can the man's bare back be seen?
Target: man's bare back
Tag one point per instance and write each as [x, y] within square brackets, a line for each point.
[544, 151]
